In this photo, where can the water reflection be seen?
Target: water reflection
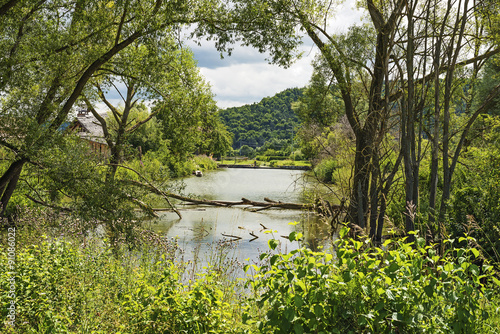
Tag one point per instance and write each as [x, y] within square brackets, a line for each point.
[203, 226]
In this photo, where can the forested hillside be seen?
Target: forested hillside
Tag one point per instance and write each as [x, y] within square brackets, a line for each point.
[271, 118]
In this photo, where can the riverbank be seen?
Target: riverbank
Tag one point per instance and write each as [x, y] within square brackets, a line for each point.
[264, 167]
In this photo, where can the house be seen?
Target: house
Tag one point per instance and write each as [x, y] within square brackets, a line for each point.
[87, 127]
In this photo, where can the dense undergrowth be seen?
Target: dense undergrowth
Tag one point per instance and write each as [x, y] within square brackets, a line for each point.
[76, 283]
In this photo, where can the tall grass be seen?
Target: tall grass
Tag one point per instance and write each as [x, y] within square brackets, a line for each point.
[78, 282]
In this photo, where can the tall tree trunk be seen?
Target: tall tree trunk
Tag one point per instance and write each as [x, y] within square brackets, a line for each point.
[361, 184]
[453, 54]
[408, 128]
[374, 195]
[8, 183]
[436, 120]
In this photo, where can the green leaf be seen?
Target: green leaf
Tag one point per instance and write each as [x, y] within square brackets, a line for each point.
[343, 232]
[497, 282]
[301, 285]
[289, 314]
[298, 300]
[273, 243]
[387, 242]
[429, 289]
[298, 329]
[318, 310]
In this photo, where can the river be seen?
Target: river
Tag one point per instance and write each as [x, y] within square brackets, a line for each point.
[201, 228]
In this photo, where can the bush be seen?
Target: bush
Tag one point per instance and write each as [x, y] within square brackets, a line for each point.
[477, 211]
[404, 287]
[63, 288]
[205, 163]
[325, 169]
[169, 307]
[298, 156]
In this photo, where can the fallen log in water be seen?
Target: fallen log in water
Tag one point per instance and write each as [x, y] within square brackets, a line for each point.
[251, 205]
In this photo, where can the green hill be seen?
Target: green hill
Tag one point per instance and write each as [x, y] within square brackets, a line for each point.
[258, 123]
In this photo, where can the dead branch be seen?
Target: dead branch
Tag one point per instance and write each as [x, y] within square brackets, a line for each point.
[254, 237]
[150, 186]
[231, 236]
[256, 205]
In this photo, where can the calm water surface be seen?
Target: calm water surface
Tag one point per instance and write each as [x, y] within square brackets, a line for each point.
[201, 227]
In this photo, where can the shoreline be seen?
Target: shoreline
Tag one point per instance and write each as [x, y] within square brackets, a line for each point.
[263, 167]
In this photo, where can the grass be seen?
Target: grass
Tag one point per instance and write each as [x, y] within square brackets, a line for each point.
[267, 164]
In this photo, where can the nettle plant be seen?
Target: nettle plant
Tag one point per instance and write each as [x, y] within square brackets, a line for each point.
[398, 287]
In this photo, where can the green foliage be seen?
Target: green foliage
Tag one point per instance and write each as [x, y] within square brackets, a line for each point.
[272, 118]
[75, 284]
[325, 170]
[147, 136]
[53, 55]
[247, 151]
[321, 102]
[475, 202]
[490, 78]
[167, 307]
[62, 287]
[216, 139]
[205, 163]
[401, 287]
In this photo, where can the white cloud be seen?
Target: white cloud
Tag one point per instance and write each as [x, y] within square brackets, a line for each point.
[245, 77]
[246, 83]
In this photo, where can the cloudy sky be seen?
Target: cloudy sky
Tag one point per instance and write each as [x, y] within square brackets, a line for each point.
[245, 77]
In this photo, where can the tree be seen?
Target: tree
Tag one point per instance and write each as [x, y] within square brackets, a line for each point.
[444, 50]
[397, 70]
[346, 57]
[51, 49]
[175, 86]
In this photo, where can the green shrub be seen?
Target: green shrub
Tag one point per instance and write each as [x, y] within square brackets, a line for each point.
[325, 169]
[204, 162]
[298, 156]
[400, 287]
[170, 307]
[63, 288]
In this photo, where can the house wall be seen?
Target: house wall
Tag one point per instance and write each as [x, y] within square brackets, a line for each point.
[99, 149]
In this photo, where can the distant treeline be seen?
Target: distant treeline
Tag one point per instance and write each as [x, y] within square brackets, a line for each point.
[258, 123]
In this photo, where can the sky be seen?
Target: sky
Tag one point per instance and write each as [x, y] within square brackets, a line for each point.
[245, 77]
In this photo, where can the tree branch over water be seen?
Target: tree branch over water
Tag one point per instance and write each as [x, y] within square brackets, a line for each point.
[250, 204]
